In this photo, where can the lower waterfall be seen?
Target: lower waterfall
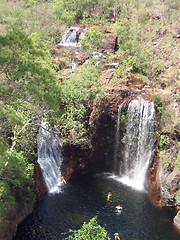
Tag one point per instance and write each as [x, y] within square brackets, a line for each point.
[49, 158]
[138, 142]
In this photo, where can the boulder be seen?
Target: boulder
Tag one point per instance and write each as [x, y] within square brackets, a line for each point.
[110, 40]
[107, 76]
[176, 221]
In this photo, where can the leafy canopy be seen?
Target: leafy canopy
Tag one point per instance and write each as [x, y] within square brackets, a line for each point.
[78, 94]
[89, 231]
[29, 91]
[92, 39]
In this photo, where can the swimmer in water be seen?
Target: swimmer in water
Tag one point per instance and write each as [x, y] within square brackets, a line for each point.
[109, 195]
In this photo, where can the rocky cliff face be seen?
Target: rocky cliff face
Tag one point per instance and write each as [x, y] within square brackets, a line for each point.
[40, 187]
[24, 207]
[15, 216]
[77, 159]
[93, 157]
[164, 182]
[176, 221]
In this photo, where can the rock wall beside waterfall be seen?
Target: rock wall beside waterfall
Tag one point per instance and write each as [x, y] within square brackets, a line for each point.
[164, 180]
[91, 154]
[40, 187]
[77, 159]
[176, 221]
[16, 215]
[164, 174]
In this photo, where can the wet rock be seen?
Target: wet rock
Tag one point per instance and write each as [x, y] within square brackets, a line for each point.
[176, 221]
[40, 188]
[110, 40]
[80, 57]
[164, 179]
[16, 215]
[77, 157]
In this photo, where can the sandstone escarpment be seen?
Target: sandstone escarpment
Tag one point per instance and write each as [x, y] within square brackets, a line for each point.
[16, 215]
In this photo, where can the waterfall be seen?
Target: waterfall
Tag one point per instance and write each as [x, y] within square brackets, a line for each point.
[139, 140]
[49, 158]
[70, 38]
[117, 141]
[74, 63]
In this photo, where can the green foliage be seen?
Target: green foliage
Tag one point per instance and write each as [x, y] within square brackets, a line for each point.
[163, 139]
[15, 176]
[28, 87]
[31, 16]
[131, 53]
[27, 67]
[30, 3]
[72, 11]
[159, 102]
[123, 140]
[92, 39]
[89, 231]
[177, 197]
[29, 91]
[78, 93]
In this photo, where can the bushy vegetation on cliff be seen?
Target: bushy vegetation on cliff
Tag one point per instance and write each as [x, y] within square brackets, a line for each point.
[30, 90]
[89, 231]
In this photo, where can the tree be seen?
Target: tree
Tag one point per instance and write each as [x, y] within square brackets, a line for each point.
[78, 94]
[92, 39]
[89, 231]
[29, 91]
[72, 11]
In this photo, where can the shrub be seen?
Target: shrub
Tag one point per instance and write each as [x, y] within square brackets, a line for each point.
[78, 94]
[159, 103]
[131, 52]
[15, 177]
[89, 231]
[92, 39]
[70, 12]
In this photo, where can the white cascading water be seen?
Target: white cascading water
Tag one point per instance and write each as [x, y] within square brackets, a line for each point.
[139, 142]
[70, 38]
[49, 158]
[117, 140]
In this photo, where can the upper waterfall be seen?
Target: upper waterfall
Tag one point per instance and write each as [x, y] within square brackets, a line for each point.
[70, 38]
[49, 158]
[138, 140]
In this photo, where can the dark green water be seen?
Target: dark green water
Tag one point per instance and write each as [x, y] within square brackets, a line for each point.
[87, 197]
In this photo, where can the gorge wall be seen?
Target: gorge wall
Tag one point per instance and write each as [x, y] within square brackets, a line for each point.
[92, 155]
[16, 215]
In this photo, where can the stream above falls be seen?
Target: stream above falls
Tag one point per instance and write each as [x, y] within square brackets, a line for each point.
[85, 198]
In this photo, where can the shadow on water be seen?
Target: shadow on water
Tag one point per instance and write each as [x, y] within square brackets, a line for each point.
[128, 212]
